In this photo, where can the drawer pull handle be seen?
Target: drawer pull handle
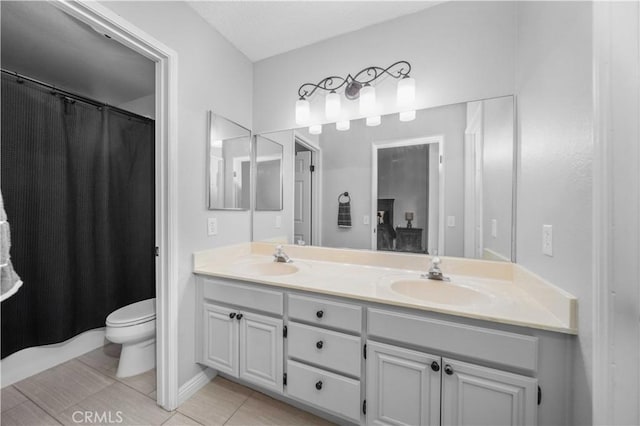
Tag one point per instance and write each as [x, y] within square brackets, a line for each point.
[448, 369]
[319, 344]
[232, 315]
[319, 314]
[239, 317]
[435, 366]
[319, 385]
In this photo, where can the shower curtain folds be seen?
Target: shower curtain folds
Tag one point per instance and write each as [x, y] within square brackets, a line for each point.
[78, 183]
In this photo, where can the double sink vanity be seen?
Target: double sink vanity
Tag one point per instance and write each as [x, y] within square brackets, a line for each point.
[361, 337]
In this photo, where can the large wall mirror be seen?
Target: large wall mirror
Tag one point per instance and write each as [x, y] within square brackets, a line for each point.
[442, 183]
[268, 174]
[229, 164]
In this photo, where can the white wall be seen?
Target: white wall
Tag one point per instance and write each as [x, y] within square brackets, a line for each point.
[212, 75]
[459, 51]
[554, 89]
[145, 106]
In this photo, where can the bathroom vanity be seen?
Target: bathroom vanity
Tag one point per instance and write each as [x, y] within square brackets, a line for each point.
[360, 337]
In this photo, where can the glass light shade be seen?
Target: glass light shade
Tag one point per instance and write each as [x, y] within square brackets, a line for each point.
[406, 92]
[407, 116]
[374, 121]
[303, 112]
[367, 100]
[332, 106]
[315, 129]
[343, 125]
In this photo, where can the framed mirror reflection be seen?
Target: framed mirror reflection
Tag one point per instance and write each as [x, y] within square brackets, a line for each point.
[228, 164]
[268, 174]
[442, 183]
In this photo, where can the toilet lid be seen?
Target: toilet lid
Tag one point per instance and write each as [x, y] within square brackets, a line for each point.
[135, 313]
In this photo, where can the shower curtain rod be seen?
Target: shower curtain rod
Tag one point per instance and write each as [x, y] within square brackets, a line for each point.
[75, 96]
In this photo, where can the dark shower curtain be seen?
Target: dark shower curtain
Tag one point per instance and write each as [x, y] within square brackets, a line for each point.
[78, 185]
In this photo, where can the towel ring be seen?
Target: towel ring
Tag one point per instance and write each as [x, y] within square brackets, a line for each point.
[344, 194]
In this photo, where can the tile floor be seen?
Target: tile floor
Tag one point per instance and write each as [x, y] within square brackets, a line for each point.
[85, 391]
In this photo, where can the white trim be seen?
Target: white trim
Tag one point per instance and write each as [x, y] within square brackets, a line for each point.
[107, 22]
[395, 143]
[30, 361]
[601, 210]
[194, 384]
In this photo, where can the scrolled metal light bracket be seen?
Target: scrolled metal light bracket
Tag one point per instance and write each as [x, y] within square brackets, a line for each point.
[353, 84]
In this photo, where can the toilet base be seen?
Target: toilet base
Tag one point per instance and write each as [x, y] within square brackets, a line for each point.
[136, 358]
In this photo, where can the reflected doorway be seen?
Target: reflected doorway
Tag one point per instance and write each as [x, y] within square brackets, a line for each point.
[303, 194]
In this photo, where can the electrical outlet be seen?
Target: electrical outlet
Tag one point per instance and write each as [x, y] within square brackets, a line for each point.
[451, 221]
[365, 220]
[494, 228]
[547, 240]
[278, 221]
[212, 226]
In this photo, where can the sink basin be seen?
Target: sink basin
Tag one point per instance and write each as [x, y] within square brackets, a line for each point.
[440, 292]
[265, 268]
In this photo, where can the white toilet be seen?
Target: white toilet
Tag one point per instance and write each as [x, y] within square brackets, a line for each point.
[134, 327]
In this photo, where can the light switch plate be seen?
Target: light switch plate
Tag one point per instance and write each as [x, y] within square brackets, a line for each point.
[451, 221]
[494, 228]
[212, 226]
[278, 221]
[365, 220]
[547, 240]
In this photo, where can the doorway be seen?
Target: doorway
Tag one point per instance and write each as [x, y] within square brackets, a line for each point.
[305, 190]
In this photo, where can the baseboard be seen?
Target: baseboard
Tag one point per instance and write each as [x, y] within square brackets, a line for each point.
[30, 361]
[194, 384]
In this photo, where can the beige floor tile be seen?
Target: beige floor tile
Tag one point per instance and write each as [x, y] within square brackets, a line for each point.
[215, 403]
[260, 410]
[11, 397]
[153, 395]
[27, 414]
[120, 404]
[104, 359]
[63, 386]
[145, 382]
[180, 420]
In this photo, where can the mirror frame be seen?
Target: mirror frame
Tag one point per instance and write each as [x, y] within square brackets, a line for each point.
[210, 121]
[255, 198]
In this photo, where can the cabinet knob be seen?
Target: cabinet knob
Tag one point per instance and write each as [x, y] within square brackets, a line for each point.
[320, 314]
[448, 369]
[435, 366]
[232, 315]
[319, 344]
[319, 385]
[239, 317]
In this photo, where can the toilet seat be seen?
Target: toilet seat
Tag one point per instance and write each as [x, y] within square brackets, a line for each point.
[134, 314]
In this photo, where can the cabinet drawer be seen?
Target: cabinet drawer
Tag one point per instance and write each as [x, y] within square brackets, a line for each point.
[328, 349]
[325, 312]
[500, 347]
[324, 390]
[250, 297]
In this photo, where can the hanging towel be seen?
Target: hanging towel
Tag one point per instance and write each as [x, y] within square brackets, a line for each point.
[344, 211]
[9, 281]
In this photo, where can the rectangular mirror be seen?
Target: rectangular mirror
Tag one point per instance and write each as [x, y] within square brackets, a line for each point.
[229, 164]
[442, 183]
[268, 174]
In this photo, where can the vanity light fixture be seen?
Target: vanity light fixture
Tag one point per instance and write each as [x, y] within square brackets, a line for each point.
[374, 120]
[407, 115]
[343, 125]
[358, 86]
[315, 129]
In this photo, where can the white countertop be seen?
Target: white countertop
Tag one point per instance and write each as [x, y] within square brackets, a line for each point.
[514, 295]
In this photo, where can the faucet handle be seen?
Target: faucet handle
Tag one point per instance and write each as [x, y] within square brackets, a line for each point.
[436, 261]
[279, 249]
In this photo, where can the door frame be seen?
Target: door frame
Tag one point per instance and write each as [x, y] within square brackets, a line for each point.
[108, 22]
[396, 143]
[316, 186]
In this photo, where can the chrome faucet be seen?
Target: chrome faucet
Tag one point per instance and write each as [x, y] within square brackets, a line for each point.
[280, 256]
[435, 273]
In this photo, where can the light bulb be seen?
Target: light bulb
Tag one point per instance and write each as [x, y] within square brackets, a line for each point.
[302, 112]
[374, 121]
[406, 92]
[332, 106]
[407, 116]
[367, 100]
[315, 129]
[343, 125]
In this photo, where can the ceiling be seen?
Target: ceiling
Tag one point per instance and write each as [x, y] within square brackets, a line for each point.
[261, 29]
[70, 55]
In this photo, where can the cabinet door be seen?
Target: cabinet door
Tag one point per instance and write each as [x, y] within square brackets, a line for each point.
[220, 339]
[474, 395]
[403, 386]
[261, 347]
